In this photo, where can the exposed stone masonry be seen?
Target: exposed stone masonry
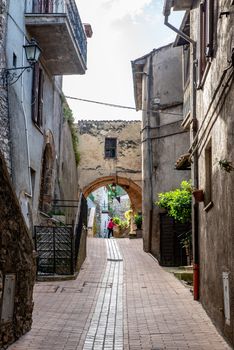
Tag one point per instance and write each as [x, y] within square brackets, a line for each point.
[16, 262]
[4, 121]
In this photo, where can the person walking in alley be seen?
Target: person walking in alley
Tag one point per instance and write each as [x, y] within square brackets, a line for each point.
[110, 227]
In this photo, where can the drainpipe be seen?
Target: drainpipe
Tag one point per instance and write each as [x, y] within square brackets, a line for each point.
[149, 77]
[195, 213]
[26, 131]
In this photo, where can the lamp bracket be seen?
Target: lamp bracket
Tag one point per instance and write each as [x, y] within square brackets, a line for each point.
[9, 76]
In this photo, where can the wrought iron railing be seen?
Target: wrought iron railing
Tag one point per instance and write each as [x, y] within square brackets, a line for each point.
[59, 247]
[67, 7]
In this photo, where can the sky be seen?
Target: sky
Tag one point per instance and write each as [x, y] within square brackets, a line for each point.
[123, 30]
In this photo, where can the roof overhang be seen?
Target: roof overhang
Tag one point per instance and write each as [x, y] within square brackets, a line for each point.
[177, 5]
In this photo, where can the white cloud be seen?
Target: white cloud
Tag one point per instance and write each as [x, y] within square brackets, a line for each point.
[118, 9]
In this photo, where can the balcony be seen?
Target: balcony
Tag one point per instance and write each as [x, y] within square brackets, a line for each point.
[57, 27]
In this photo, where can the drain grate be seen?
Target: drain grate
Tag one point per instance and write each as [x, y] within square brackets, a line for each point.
[71, 290]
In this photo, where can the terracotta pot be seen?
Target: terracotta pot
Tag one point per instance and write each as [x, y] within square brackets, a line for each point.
[198, 195]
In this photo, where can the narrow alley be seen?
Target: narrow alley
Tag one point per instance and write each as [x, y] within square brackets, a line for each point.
[122, 299]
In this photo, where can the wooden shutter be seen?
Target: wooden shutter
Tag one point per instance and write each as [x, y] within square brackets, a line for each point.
[209, 27]
[40, 98]
[35, 86]
[37, 95]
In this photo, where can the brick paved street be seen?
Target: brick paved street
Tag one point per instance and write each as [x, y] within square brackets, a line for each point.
[122, 299]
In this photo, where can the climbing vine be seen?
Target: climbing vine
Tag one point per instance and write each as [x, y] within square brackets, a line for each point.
[68, 116]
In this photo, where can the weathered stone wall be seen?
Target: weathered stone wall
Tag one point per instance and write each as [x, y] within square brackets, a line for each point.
[215, 112]
[4, 121]
[16, 261]
[93, 164]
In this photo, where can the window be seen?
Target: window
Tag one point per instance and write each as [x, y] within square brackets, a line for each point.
[208, 174]
[33, 179]
[43, 6]
[14, 60]
[205, 42]
[110, 147]
[37, 95]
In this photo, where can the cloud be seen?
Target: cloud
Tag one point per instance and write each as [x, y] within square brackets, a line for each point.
[118, 9]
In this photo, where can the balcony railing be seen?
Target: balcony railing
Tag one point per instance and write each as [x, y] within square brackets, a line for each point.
[61, 7]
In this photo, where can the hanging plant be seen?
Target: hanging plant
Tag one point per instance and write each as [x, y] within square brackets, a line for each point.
[226, 165]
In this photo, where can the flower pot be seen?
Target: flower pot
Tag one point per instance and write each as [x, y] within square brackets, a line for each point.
[198, 195]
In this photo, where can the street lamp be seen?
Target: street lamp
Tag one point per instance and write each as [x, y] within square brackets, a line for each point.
[9, 76]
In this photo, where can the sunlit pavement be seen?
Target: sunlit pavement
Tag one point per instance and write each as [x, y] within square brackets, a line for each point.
[122, 299]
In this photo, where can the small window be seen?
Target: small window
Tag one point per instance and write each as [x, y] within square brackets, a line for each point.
[110, 147]
[208, 174]
[33, 179]
[14, 60]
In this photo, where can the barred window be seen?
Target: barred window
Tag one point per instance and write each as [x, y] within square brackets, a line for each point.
[110, 148]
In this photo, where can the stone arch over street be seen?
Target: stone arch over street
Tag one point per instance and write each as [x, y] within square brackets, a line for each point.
[132, 189]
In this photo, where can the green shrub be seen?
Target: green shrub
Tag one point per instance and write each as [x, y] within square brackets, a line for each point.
[178, 202]
[116, 220]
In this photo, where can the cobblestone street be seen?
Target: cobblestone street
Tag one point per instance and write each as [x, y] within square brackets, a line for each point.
[122, 299]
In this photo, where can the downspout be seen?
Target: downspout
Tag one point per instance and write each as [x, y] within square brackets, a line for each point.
[149, 149]
[195, 213]
[26, 131]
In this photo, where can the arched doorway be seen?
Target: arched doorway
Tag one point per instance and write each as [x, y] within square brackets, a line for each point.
[47, 174]
[132, 189]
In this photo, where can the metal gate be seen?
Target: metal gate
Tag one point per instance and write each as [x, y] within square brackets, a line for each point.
[54, 246]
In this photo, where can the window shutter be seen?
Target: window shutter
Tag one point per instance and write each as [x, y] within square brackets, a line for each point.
[209, 27]
[40, 97]
[35, 86]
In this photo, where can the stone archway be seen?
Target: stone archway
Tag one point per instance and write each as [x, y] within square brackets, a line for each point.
[132, 189]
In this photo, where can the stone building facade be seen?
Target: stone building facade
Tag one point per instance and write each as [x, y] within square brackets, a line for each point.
[35, 140]
[157, 79]
[110, 152]
[36, 101]
[209, 27]
[4, 120]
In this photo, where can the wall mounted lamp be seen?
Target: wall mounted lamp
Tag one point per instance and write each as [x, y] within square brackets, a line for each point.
[10, 76]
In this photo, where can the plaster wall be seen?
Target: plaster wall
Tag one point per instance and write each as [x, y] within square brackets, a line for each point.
[216, 125]
[93, 164]
[28, 141]
[163, 138]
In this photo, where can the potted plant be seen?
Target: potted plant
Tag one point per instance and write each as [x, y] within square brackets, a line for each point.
[198, 195]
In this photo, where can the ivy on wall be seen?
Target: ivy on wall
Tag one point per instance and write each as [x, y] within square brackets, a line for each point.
[68, 116]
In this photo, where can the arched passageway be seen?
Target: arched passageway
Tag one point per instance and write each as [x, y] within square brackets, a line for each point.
[132, 189]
